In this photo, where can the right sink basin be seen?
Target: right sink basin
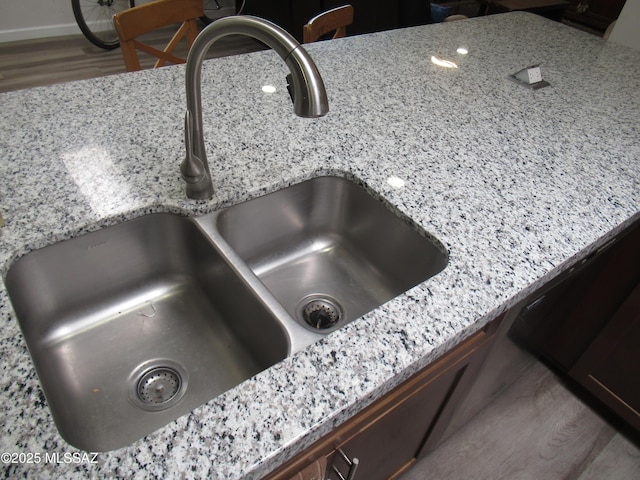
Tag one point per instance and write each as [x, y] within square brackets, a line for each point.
[328, 251]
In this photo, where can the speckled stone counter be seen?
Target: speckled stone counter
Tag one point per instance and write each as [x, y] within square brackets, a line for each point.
[516, 183]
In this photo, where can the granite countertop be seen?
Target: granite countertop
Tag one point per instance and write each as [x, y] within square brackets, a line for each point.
[516, 183]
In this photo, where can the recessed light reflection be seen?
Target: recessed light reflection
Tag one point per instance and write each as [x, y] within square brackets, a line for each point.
[443, 63]
[462, 51]
[268, 89]
[395, 182]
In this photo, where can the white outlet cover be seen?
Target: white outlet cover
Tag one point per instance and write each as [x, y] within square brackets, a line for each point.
[529, 75]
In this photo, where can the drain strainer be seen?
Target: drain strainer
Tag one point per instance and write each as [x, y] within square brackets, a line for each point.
[320, 312]
[158, 384]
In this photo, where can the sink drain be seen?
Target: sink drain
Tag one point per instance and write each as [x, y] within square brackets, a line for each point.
[158, 385]
[320, 312]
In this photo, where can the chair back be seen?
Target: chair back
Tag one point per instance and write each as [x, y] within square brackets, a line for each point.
[336, 20]
[136, 21]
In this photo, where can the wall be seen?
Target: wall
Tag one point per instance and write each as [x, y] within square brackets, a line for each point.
[626, 31]
[23, 19]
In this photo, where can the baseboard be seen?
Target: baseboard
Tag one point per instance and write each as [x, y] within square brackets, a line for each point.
[38, 32]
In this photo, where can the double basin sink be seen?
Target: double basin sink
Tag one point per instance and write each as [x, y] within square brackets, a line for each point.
[135, 325]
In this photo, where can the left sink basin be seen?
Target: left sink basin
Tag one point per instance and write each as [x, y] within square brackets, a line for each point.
[134, 325]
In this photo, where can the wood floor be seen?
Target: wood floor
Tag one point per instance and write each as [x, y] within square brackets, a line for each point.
[537, 429]
[33, 63]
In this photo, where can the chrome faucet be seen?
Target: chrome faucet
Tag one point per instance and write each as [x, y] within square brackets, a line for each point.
[305, 87]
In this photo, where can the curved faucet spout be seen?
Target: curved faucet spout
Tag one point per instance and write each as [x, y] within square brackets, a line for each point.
[308, 92]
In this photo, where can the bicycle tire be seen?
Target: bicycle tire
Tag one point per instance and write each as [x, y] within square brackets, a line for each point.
[214, 9]
[95, 19]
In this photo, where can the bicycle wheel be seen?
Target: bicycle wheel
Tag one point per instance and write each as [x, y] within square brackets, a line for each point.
[214, 9]
[95, 19]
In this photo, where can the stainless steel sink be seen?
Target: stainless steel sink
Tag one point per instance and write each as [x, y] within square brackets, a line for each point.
[328, 251]
[134, 325]
[137, 324]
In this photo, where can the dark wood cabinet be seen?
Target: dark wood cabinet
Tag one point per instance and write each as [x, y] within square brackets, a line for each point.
[594, 14]
[405, 424]
[610, 367]
[587, 324]
[566, 316]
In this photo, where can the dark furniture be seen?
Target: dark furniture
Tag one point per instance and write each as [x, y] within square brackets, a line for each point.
[331, 23]
[587, 324]
[593, 15]
[370, 15]
[401, 427]
[553, 9]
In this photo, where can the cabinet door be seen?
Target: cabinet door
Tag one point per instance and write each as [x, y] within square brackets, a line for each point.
[390, 441]
[610, 368]
[404, 424]
[563, 321]
[409, 423]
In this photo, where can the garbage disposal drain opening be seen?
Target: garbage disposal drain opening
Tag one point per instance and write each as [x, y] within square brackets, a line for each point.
[320, 312]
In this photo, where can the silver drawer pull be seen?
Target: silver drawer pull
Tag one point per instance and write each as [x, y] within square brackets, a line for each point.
[352, 464]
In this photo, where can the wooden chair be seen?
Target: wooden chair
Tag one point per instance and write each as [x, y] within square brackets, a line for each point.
[145, 18]
[336, 19]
